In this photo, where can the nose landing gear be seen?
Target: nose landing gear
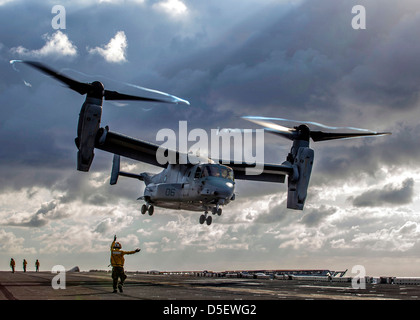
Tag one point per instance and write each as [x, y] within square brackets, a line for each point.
[208, 219]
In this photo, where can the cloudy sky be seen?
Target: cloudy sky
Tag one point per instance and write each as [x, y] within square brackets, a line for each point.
[276, 58]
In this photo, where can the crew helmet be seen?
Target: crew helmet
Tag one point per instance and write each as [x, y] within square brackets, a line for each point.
[117, 245]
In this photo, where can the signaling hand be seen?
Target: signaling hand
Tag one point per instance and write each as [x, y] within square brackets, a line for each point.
[137, 250]
[115, 237]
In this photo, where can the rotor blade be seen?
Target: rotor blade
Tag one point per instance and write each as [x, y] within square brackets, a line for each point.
[272, 127]
[268, 124]
[283, 134]
[114, 95]
[318, 124]
[77, 86]
[84, 88]
[172, 98]
[324, 136]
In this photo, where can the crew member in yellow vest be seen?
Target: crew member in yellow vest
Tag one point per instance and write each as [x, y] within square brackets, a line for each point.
[117, 262]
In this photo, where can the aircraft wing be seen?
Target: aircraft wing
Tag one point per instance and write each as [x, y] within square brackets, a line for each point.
[146, 152]
[271, 172]
[130, 148]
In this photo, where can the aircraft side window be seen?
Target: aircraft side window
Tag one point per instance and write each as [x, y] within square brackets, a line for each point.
[197, 173]
[206, 172]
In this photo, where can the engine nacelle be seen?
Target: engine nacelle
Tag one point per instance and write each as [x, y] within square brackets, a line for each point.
[298, 181]
[89, 122]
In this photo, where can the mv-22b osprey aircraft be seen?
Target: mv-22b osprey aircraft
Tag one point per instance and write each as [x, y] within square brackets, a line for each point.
[205, 186]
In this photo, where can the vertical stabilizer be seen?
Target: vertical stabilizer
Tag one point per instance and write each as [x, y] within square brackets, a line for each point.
[115, 169]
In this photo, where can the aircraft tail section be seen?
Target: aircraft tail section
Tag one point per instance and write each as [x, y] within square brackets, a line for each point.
[115, 172]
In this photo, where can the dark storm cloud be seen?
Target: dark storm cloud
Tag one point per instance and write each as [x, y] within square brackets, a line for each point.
[18, 177]
[276, 214]
[390, 74]
[388, 195]
[264, 71]
[366, 156]
[314, 217]
[280, 61]
[305, 59]
[279, 214]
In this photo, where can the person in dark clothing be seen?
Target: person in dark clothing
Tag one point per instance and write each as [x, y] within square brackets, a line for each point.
[12, 264]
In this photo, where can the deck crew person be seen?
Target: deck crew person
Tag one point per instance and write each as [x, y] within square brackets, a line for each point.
[12, 264]
[36, 265]
[117, 262]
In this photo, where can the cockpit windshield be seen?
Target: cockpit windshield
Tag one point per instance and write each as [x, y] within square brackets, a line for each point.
[227, 173]
[218, 171]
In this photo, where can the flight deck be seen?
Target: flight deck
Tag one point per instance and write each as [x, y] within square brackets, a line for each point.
[139, 286]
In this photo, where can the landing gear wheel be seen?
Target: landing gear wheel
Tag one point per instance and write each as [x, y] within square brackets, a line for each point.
[151, 210]
[202, 218]
[209, 220]
[219, 211]
[143, 209]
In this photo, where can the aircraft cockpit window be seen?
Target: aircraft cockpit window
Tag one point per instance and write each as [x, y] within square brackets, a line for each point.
[230, 175]
[227, 173]
[211, 171]
[214, 171]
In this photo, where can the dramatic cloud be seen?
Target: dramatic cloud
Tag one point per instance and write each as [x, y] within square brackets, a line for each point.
[10, 243]
[373, 81]
[392, 239]
[389, 195]
[57, 45]
[115, 50]
[314, 217]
